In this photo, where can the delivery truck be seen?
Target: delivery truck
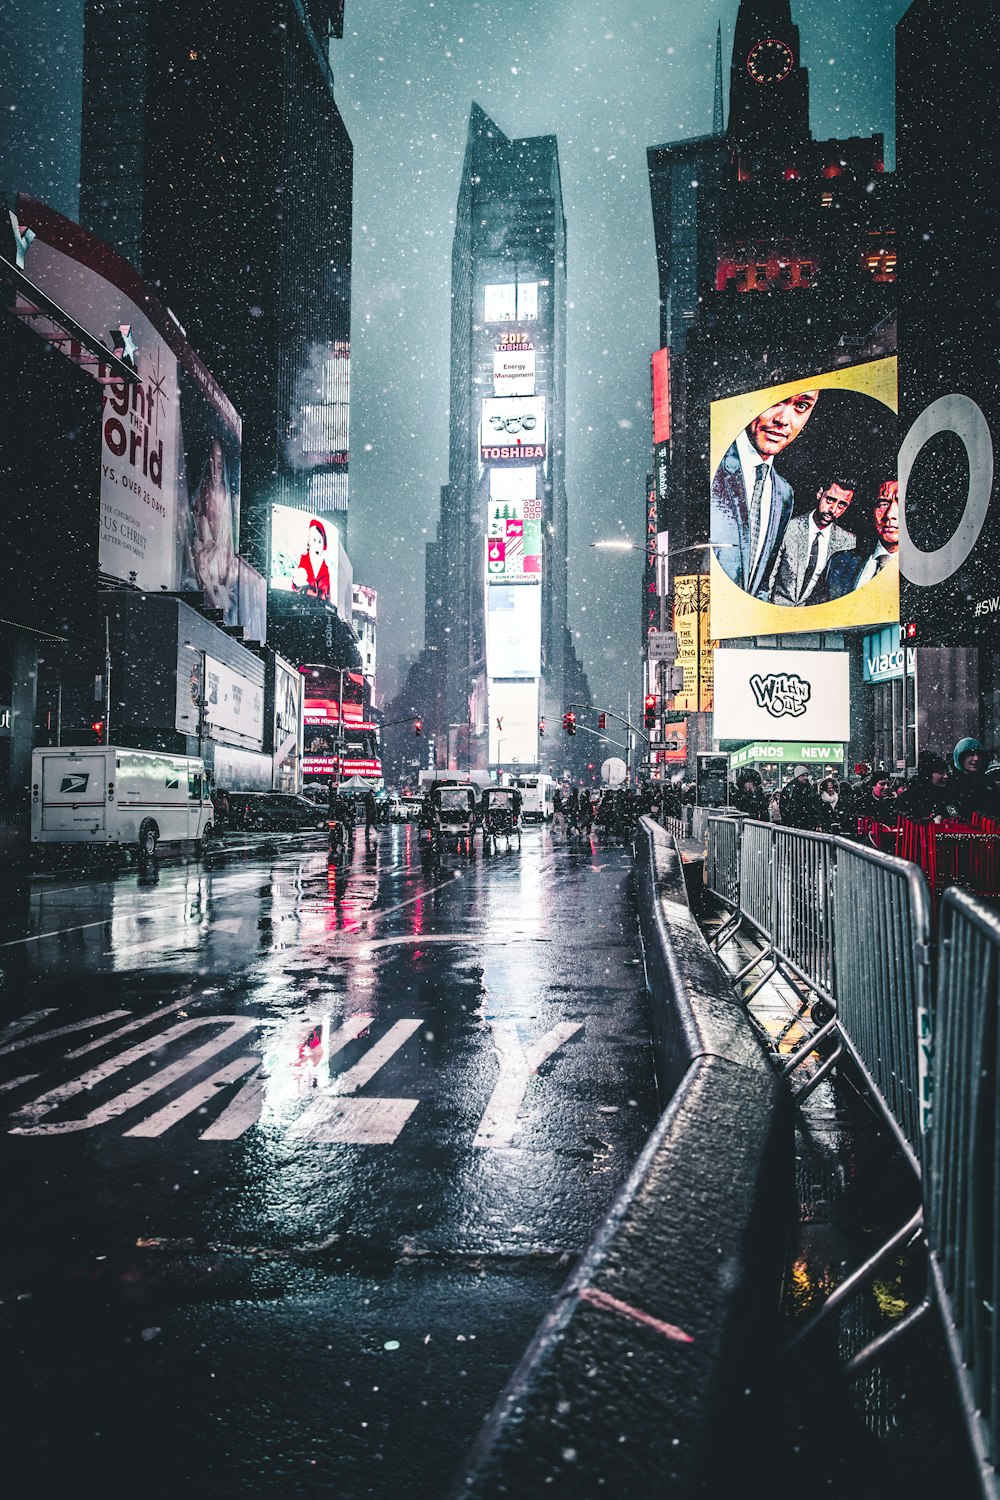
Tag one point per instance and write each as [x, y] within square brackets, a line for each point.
[107, 794]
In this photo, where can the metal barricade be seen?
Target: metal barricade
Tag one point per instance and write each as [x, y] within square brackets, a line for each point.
[722, 861]
[883, 981]
[962, 1190]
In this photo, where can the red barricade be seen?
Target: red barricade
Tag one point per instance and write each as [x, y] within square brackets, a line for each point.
[952, 853]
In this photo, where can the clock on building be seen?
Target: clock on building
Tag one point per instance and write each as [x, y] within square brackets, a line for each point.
[770, 61]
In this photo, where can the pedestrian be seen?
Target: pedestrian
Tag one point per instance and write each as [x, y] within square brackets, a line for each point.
[371, 814]
[558, 815]
[573, 810]
[586, 811]
[798, 802]
[832, 808]
[748, 796]
[879, 801]
[220, 804]
[971, 788]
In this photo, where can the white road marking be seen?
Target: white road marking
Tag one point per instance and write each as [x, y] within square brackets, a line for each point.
[236, 1027]
[36, 937]
[140, 1021]
[376, 1057]
[45, 1036]
[355, 1122]
[14, 1028]
[375, 916]
[15, 1083]
[499, 1121]
[470, 939]
[240, 1114]
[194, 1098]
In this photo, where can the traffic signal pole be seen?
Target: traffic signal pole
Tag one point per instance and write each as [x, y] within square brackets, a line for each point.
[630, 728]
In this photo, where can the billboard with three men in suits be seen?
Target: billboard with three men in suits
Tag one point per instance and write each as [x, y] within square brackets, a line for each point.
[804, 505]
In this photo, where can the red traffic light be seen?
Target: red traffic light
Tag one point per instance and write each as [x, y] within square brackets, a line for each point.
[98, 728]
[541, 727]
[418, 725]
[569, 721]
[602, 721]
[649, 718]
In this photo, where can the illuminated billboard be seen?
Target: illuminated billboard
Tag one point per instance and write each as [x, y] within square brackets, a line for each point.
[514, 370]
[514, 630]
[170, 442]
[660, 369]
[511, 302]
[317, 444]
[513, 540]
[513, 711]
[694, 643]
[766, 694]
[804, 505]
[512, 430]
[305, 553]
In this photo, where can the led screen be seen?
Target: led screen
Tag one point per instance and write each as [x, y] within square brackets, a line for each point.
[513, 630]
[305, 553]
[803, 695]
[804, 505]
[513, 710]
[512, 430]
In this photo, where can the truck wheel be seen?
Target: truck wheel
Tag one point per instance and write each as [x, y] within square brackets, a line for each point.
[148, 835]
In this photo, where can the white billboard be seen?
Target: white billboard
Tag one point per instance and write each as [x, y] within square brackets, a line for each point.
[514, 630]
[170, 442]
[511, 302]
[513, 710]
[513, 484]
[801, 695]
[512, 430]
[513, 372]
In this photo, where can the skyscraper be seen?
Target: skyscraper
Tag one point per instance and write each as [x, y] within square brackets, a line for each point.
[496, 574]
[215, 158]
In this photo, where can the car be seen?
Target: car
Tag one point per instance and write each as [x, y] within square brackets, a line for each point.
[255, 812]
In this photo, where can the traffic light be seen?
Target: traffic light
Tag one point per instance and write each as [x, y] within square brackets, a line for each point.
[541, 728]
[602, 721]
[569, 721]
[98, 729]
[418, 725]
[650, 711]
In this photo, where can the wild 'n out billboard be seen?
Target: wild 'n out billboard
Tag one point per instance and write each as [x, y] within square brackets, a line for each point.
[804, 505]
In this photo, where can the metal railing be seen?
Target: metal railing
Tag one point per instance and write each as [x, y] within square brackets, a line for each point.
[854, 927]
[962, 1183]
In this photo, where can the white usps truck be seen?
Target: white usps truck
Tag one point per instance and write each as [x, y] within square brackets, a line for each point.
[104, 794]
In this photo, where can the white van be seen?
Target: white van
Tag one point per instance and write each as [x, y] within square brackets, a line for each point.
[102, 794]
[537, 797]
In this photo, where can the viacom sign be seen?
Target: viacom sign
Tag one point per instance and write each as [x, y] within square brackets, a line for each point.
[800, 694]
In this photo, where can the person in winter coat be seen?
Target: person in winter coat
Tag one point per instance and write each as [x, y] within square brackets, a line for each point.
[971, 789]
[834, 811]
[879, 801]
[371, 814]
[749, 794]
[798, 802]
[928, 795]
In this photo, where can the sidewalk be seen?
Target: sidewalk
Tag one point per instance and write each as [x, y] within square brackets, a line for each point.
[900, 1423]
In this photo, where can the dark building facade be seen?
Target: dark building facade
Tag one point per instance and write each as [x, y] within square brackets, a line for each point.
[495, 619]
[215, 158]
[948, 151]
[776, 256]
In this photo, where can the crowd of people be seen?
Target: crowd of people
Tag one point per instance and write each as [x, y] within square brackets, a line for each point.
[966, 784]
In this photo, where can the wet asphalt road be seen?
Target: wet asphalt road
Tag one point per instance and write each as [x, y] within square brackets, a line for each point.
[295, 1158]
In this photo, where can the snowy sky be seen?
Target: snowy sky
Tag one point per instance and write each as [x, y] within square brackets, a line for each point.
[609, 78]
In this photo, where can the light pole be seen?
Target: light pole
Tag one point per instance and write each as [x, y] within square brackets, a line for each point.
[340, 728]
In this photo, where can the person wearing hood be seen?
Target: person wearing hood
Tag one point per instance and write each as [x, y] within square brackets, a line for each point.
[971, 789]
[798, 802]
[833, 808]
[927, 796]
[748, 796]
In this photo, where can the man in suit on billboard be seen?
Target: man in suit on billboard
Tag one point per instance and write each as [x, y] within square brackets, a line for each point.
[850, 570]
[809, 544]
[751, 502]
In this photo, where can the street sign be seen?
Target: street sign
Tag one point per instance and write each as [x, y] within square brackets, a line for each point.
[673, 716]
[661, 645]
[673, 680]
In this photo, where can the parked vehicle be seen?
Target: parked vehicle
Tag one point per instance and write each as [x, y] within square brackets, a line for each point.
[106, 794]
[537, 797]
[397, 810]
[274, 811]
